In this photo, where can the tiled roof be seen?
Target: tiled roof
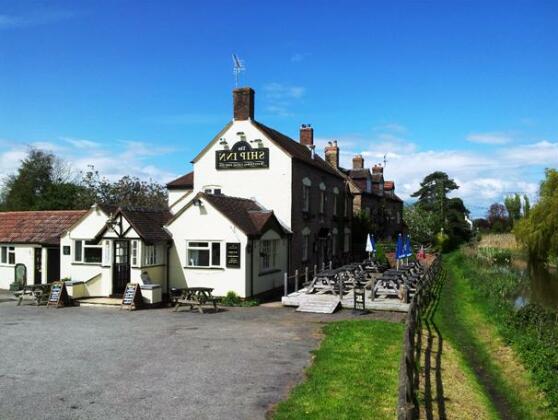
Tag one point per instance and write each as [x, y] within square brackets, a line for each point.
[184, 182]
[148, 223]
[244, 213]
[36, 227]
[297, 150]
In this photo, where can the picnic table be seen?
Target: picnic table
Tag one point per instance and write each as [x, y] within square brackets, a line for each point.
[38, 292]
[193, 296]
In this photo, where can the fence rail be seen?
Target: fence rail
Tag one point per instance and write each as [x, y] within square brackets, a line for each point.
[407, 406]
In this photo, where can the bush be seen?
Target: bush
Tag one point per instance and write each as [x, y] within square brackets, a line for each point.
[232, 299]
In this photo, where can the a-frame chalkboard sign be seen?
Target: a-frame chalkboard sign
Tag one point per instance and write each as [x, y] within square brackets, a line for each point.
[132, 298]
[58, 295]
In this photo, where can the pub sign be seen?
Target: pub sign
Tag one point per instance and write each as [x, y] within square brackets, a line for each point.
[242, 156]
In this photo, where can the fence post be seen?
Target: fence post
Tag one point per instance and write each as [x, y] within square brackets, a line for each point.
[286, 284]
[296, 280]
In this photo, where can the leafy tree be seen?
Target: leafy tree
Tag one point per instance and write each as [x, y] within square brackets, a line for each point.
[422, 224]
[526, 206]
[498, 218]
[449, 214]
[539, 230]
[481, 224]
[42, 182]
[513, 206]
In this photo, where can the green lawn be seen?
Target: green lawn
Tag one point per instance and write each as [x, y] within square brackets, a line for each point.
[354, 374]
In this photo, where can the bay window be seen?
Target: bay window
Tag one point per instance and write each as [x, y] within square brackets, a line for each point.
[203, 254]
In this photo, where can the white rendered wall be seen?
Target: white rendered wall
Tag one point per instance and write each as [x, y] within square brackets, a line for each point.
[269, 187]
[24, 254]
[206, 224]
[274, 278]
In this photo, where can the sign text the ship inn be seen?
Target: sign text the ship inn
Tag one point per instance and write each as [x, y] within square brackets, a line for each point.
[242, 156]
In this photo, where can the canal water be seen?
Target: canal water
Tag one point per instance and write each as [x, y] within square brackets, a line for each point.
[539, 285]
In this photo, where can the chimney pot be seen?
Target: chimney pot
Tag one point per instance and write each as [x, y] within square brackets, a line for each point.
[358, 162]
[306, 135]
[332, 154]
[243, 104]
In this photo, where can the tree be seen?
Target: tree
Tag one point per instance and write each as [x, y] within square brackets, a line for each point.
[481, 224]
[421, 223]
[526, 206]
[539, 230]
[513, 206]
[42, 182]
[498, 218]
[449, 214]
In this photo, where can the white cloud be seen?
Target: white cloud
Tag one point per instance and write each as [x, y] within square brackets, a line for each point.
[279, 97]
[81, 143]
[38, 18]
[489, 138]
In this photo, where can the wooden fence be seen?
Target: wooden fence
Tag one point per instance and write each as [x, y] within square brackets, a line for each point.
[407, 406]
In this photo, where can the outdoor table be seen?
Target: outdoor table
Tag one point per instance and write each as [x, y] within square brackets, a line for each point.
[193, 296]
[39, 293]
[324, 281]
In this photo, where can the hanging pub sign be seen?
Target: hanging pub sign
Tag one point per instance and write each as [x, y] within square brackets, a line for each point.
[242, 156]
[58, 295]
[132, 298]
[233, 254]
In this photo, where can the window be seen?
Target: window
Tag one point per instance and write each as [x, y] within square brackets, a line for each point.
[134, 254]
[347, 242]
[268, 254]
[322, 202]
[87, 252]
[150, 255]
[334, 243]
[8, 255]
[306, 198]
[203, 254]
[347, 206]
[305, 247]
[66, 250]
[335, 203]
[107, 253]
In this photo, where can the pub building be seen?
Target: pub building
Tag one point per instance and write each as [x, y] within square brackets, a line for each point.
[256, 205]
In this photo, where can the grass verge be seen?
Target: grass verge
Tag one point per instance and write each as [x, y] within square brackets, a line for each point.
[472, 322]
[354, 374]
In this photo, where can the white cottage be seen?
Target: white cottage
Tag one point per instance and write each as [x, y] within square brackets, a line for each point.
[30, 242]
[228, 244]
[110, 247]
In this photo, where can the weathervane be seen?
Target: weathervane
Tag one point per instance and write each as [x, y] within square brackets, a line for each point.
[385, 160]
[238, 66]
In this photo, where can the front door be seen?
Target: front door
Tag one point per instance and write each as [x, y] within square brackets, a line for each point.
[38, 266]
[53, 264]
[121, 267]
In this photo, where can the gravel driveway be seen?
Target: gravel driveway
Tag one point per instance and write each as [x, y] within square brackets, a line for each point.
[93, 363]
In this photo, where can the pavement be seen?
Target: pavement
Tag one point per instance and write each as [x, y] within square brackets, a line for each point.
[103, 363]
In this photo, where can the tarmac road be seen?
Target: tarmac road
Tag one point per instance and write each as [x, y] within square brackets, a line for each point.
[102, 363]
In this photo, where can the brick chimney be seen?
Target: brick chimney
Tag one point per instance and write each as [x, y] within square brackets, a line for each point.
[358, 162]
[306, 135]
[243, 104]
[332, 153]
[377, 169]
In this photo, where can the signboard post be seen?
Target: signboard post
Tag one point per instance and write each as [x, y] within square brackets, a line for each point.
[233, 255]
[58, 295]
[132, 298]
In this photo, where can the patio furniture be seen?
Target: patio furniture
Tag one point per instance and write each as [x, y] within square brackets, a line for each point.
[38, 292]
[193, 296]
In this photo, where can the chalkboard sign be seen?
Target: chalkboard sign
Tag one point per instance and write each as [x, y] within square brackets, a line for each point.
[58, 295]
[359, 304]
[233, 254]
[132, 297]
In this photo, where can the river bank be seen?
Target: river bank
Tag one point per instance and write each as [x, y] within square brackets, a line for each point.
[512, 353]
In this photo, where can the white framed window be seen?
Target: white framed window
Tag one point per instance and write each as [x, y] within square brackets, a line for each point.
[347, 242]
[107, 253]
[268, 254]
[7, 255]
[134, 253]
[305, 247]
[150, 255]
[88, 252]
[203, 254]
[306, 198]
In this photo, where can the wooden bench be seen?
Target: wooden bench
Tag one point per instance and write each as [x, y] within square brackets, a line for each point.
[193, 296]
[38, 292]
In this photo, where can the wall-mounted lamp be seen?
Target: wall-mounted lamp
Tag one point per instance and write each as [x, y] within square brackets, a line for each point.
[223, 142]
[259, 143]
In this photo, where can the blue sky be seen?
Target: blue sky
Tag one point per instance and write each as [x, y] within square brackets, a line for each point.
[140, 87]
